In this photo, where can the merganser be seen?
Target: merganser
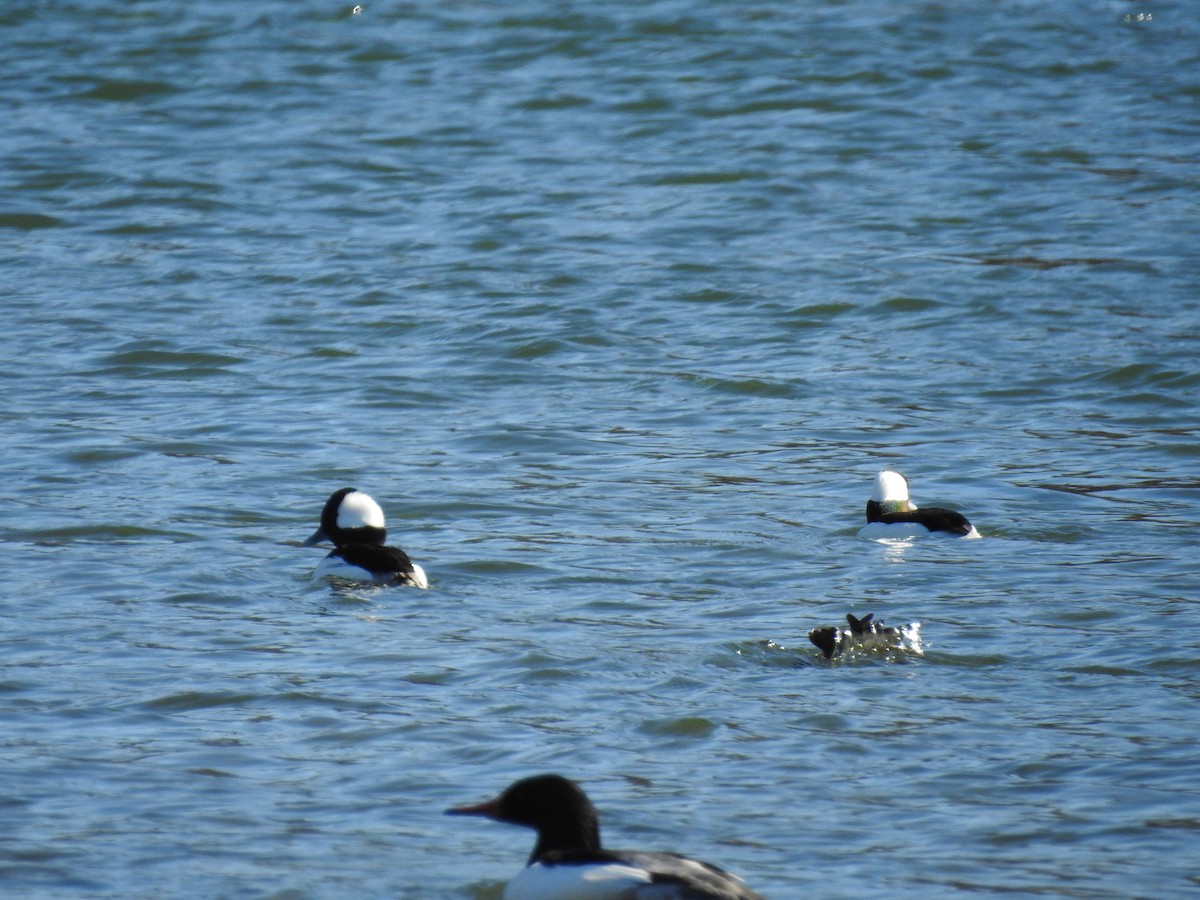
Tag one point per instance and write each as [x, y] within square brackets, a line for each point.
[568, 862]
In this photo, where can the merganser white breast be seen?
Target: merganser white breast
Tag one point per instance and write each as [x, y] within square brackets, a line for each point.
[891, 514]
[568, 862]
[353, 522]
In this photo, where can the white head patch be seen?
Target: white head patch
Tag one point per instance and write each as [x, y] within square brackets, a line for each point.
[358, 509]
[891, 489]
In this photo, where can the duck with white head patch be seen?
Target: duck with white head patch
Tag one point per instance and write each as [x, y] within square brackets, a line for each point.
[891, 514]
[568, 862]
[353, 523]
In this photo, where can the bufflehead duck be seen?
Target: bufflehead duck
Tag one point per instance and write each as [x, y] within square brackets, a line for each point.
[353, 523]
[867, 635]
[890, 514]
[568, 863]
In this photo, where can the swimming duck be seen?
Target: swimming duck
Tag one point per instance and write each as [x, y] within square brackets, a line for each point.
[353, 523]
[568, 862]
[865, 634]
[890, 513]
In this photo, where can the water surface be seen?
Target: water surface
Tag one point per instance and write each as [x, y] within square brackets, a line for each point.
[616, 309]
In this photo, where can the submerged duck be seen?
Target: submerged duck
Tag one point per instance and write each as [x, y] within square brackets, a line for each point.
[353, 523]
[568, 862]
[865, 634]
[890, 514]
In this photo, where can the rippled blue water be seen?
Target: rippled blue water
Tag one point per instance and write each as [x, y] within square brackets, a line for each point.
[616, 309]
